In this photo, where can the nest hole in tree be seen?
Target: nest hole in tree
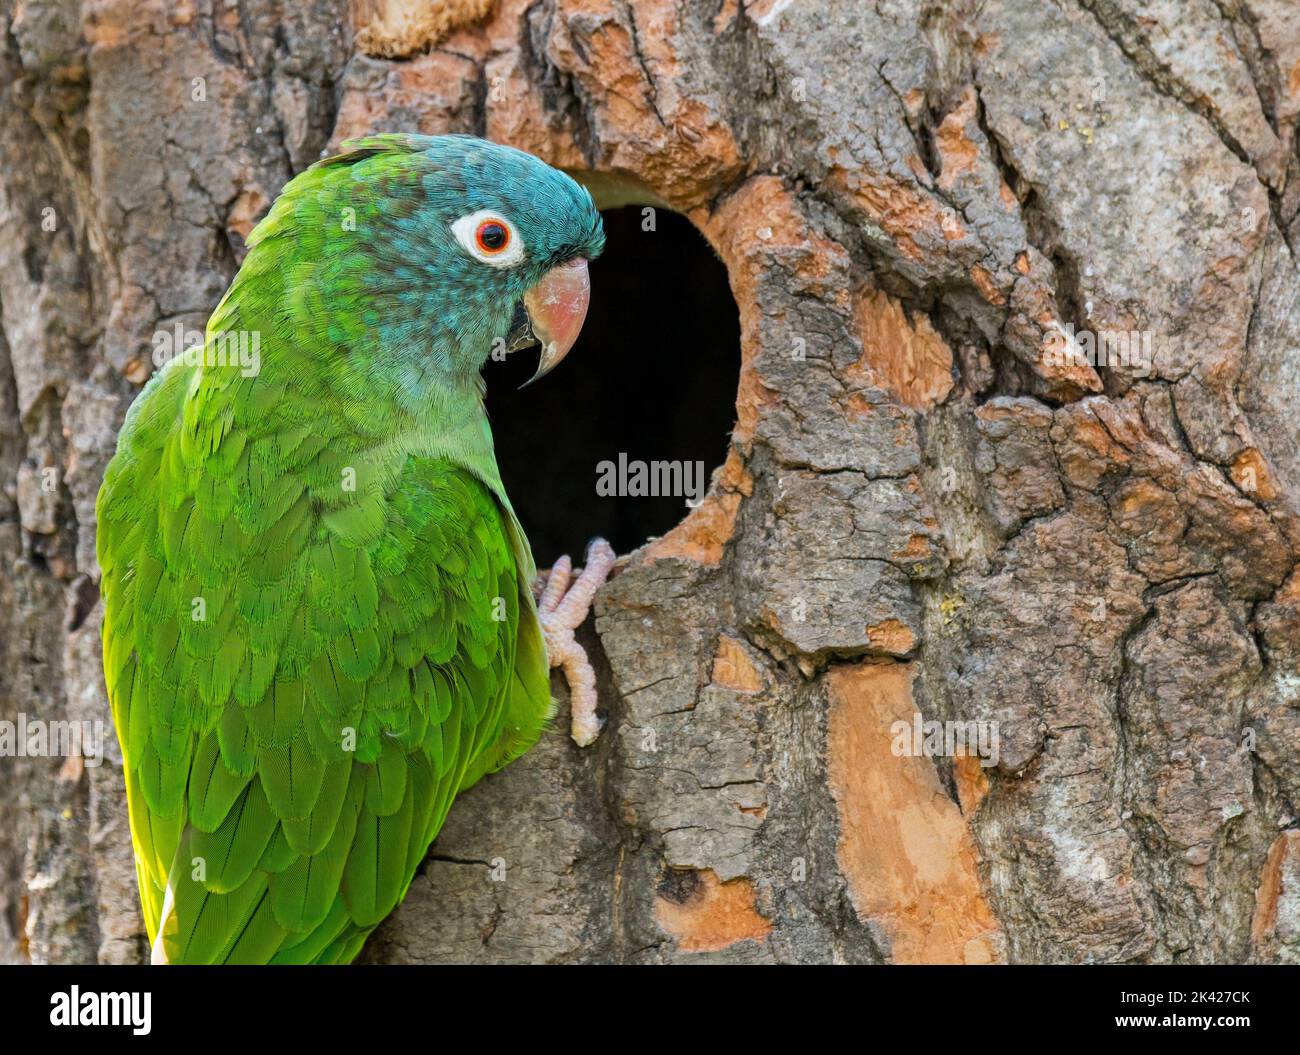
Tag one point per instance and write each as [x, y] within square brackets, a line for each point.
[653, 377]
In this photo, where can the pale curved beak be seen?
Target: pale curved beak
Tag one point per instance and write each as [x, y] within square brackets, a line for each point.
[556, 308]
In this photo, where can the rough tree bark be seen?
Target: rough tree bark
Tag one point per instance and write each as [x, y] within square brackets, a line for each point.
[920, 511]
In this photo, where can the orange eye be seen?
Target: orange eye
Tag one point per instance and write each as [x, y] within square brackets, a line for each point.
[492, 236]
[489, 238]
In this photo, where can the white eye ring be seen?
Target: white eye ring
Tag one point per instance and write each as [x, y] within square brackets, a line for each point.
[468, 231]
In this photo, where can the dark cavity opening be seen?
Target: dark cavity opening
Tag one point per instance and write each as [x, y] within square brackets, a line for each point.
[653, 377]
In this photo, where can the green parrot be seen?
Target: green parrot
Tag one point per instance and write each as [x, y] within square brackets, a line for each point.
[319, 617]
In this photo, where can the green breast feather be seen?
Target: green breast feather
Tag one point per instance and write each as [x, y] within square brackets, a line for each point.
[300, 691]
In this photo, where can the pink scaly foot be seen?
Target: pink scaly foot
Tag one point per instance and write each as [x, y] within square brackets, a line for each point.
[561, 608]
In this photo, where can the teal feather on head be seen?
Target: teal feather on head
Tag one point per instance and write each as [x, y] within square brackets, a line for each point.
[389, 279]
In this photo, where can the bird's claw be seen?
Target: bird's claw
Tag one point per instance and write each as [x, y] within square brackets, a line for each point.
[561, 608]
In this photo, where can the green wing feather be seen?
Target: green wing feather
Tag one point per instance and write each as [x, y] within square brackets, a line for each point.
[291, 754]
[315, 636]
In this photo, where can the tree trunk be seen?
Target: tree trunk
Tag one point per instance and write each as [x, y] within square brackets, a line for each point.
[937, 506]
